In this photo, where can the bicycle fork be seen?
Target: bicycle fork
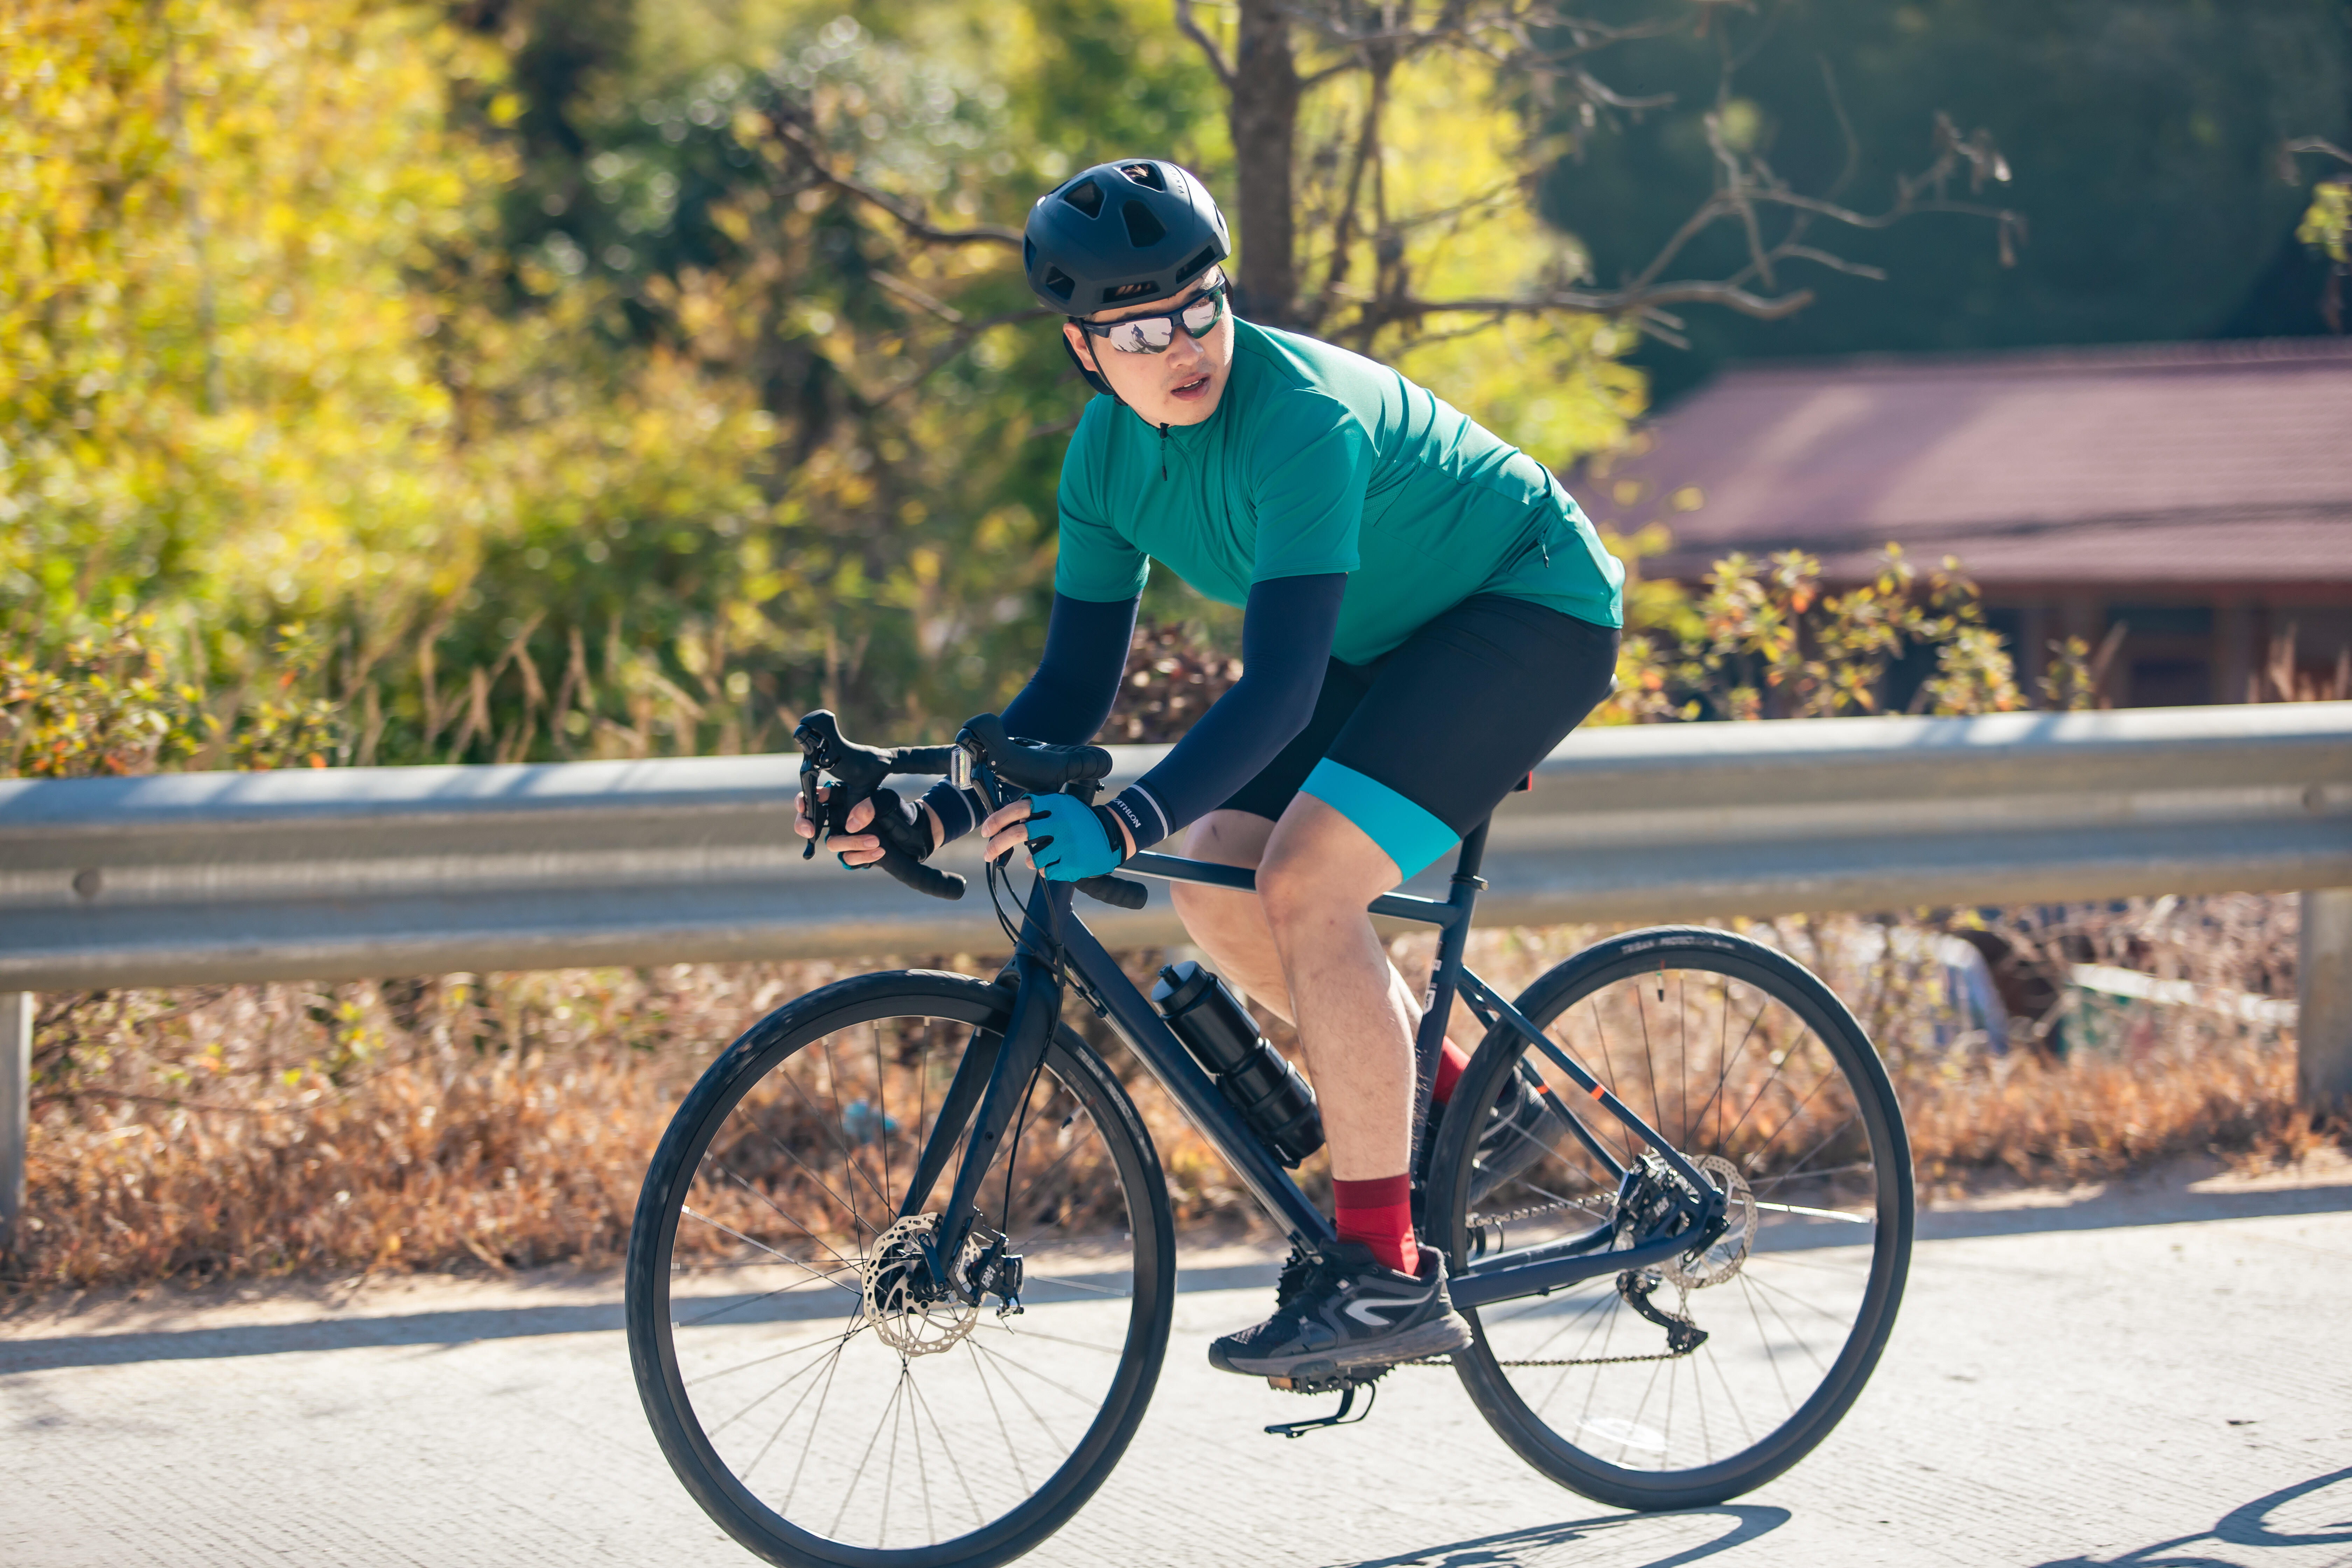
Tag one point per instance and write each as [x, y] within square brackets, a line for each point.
[995, 1073]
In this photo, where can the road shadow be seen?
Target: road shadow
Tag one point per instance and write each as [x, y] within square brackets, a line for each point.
[2250, 1525]
[800, 1303]
[2126, 1205]
[1612, 1540]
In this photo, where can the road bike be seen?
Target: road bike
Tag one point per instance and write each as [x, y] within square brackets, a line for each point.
[903, 1267]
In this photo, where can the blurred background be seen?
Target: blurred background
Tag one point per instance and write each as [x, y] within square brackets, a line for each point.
[514, 380]
[505, 379]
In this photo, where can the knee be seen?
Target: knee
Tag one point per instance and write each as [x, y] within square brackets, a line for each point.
[1288, 891]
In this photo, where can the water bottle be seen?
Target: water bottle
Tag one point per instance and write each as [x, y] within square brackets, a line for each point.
[1250, 1073]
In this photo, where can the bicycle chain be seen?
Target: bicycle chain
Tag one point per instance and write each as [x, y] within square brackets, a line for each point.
[1603, 1207]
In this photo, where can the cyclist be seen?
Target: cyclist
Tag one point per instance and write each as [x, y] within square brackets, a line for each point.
[1426, 613]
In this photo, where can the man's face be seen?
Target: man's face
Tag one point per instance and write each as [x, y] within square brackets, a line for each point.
[1178, 386]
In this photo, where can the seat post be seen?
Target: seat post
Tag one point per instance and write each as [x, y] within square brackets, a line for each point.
[1438, 1001]
[1474, 852]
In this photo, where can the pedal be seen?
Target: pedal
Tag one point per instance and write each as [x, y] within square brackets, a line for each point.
[1345, 1387]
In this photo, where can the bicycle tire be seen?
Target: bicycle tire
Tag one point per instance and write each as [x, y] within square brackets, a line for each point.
[1644, 1471]
[765, 1054]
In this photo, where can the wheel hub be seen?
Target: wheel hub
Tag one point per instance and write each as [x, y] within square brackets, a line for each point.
[1722, 1258]
[907, 1311]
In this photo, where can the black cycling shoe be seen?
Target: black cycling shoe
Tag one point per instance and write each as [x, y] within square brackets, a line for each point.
[1351, 1315]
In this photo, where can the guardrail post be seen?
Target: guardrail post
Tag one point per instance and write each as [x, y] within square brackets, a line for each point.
[2324, 1022]
[16, 1097]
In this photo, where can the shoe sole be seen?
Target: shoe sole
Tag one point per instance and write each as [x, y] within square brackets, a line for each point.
[1439, 1336]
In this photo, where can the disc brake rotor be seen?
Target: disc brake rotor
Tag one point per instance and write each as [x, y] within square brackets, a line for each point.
[907, 1317]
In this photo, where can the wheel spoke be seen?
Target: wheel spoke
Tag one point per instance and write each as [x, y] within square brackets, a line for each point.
[1784, 1102]
[849, 1427]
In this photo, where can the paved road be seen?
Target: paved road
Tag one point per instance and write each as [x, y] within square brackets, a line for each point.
[2160, 1377]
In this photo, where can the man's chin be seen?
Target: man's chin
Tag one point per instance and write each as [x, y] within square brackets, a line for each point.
[1193, 410]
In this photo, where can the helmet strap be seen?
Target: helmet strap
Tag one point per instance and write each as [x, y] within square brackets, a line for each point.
[1093, 377]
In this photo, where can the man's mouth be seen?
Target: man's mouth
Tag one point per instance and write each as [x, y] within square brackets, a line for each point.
[1189, 389]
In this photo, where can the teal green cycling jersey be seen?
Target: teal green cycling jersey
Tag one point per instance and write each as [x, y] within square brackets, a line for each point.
[1319, 460]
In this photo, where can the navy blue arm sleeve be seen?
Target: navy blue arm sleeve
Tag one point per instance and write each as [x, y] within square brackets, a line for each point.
[1068, 698]
[1287, 633]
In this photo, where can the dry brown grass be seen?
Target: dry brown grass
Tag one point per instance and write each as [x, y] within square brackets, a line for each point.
[504, 1121]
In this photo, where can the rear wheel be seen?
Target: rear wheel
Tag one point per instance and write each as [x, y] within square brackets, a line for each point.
[1763, 1081]
[819, 1406]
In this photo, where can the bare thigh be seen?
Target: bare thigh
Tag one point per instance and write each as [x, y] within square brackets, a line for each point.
[1228, 924]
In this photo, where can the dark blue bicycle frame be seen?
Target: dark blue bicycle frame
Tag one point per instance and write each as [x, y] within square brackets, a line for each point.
[1049, 924]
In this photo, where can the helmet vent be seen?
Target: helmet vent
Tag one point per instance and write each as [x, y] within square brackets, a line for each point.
[1145, 174]
[1060, 283]
[1143, 290]
[1087, 196]
[1142, 228]
[1201, 263]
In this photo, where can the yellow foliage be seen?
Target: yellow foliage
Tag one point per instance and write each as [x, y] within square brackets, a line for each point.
[1453, 176]
[218, 372]
[2327, 224]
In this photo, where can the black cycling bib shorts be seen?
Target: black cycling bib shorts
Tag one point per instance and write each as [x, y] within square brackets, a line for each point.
[1418, 747]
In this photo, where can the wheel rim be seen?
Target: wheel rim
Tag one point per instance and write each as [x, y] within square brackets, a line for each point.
[1762, 1081]
[852, 1422]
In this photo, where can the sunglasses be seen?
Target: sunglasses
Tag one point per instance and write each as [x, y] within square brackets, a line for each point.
[1153, 334]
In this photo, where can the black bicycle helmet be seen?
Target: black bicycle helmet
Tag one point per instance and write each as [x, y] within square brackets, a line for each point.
[1118, 233]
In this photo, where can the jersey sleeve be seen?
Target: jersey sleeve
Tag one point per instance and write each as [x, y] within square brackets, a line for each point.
[1313, 464]
[1093, 561]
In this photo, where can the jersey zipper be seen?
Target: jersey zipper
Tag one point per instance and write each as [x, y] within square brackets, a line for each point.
[1164, 451]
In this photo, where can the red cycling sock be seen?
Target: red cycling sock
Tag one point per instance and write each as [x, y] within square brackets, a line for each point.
[1379, 1214]
[1451, 1058]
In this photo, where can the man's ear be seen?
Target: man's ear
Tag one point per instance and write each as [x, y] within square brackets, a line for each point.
[1082, 348]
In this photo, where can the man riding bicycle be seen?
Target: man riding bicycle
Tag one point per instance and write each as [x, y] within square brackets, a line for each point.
[1426, 613]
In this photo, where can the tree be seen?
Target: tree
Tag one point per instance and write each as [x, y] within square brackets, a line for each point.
[2141, 135]
[1525, 80]
[2326, 226]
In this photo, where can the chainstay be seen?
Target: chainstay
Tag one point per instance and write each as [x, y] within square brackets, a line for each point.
[1444, 1363]
[1599, 1206]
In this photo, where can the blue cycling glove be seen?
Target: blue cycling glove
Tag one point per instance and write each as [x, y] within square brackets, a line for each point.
[1069, 840]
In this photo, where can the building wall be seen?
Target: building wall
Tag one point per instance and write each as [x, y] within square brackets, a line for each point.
[2182, 647]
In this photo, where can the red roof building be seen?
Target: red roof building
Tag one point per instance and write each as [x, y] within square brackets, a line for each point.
[2200, 495]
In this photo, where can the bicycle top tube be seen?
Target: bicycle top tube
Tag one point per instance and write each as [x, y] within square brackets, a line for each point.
[1177, 869]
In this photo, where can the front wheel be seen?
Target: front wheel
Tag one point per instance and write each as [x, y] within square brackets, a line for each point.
[821, 1402]
[1703, 1376]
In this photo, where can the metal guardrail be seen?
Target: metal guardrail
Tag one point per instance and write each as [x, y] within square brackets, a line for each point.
[189, 877]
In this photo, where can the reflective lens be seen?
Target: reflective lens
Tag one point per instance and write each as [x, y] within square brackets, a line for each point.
[1144, 335]
[1153, 335]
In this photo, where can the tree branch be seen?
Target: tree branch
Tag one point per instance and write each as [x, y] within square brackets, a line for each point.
[960, 340]
[1194, 31]
[918, 298]
[913, 221]
[1604, 302]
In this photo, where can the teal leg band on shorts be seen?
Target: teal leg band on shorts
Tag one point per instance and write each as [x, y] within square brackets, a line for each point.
[1409, 835]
